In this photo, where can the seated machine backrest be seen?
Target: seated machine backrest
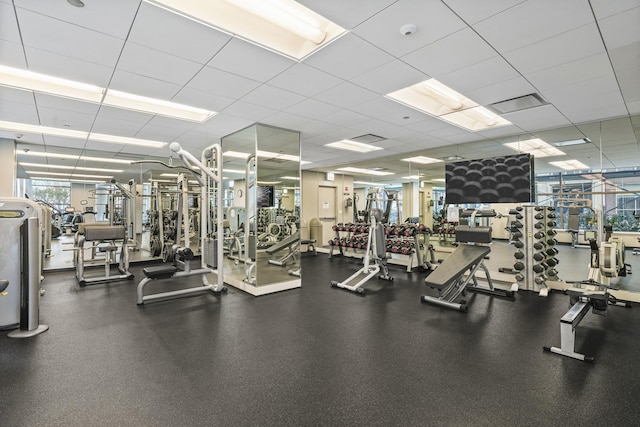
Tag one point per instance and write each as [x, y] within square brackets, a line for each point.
[109, 232]
[466, 234]
[574, 219]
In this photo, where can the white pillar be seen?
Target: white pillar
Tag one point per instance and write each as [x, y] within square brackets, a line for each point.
[9, 168]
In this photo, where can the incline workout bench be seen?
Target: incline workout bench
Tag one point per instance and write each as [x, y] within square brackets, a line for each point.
[105, 240]
[449, 278]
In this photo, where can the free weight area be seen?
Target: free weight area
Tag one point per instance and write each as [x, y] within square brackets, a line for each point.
[389, 213]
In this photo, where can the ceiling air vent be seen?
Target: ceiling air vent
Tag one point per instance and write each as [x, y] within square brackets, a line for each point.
[516, 104]
[368, 138]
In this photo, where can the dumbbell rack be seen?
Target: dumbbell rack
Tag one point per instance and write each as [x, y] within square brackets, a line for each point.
[402, 243]
[535, 242]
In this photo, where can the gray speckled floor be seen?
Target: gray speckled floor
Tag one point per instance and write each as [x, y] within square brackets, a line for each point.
[314, 356]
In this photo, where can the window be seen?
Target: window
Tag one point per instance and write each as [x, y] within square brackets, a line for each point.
[55, 193]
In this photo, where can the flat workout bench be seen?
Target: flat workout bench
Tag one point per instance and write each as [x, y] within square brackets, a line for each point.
[449, 278]
[290, 243]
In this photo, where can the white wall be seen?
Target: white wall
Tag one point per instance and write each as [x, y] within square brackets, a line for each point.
[81, 192]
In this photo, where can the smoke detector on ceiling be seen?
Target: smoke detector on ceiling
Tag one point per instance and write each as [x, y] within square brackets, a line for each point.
[408, 29]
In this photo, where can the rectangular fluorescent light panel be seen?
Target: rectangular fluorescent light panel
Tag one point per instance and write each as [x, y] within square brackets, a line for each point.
[294, 178]
[421, 159]
[411, 177]
[82, 168]
[536, 147]
[367, 183]
[347, 144]
[75, 175]
[43, 83]
[282, 26]
[570, 165]
[572, 142]
[365, 171]
[144, 104]
[24, 79]
[438, 100]
[73, 157]
[78, 134]
[84, 181]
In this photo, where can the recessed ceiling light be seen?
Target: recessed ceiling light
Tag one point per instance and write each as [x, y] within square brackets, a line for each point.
[77, 134]
[24, 79]
[76, 3]
[572, 142]
[570, 165]
[421, 159]
[282, 26]
[365, 171]
[437, 99]
[28, 153]
[347, 144]
[82, 168]
[411, 177]
[74, 175]
[535, 146]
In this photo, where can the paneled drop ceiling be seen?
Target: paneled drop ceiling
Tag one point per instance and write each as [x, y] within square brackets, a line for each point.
[582, 57]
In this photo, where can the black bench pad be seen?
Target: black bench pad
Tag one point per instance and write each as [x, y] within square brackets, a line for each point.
[460, 260]
[159, 272]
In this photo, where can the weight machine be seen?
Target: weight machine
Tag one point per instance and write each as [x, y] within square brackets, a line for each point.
[208, 173]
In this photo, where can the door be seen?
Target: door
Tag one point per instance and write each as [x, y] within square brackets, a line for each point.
[327, 210]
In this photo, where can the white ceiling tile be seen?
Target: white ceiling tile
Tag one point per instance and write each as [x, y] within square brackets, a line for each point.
[239, 57]
[17, 95]
[345, 118]
[304, 80]
[544, 117]
[286, 120]
[475, 11]
[102, 146]
[160, 29]
[626, 63]
[66, 104]
[346, 95]
[502, 91]
[594, 99]
[26, 140]
[157, 132]
[486, 73]
[380, 128]
[60, 141]
[571, 72]
[126, 115]
[152, 63]
[116, 126]
[621, 29]
[385, 109]
[314, 128]
[346, 14]
[389, 77]
[202, 99]
[427, 124]
[18, 112]
[220, 82]
[12, 54]
[249, 111]
[197, 138]
[46, 62]
[72, 41]
[8, 25]
[348, 57]
[143, 85]
[433, 20]
[531, 21]
[569, 46]
[223, 124]
[605, 8]
[438, 58]
[313, 109]
[272, 97]
[58, 118]
[113, 17]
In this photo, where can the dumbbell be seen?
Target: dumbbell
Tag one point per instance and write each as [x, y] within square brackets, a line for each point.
[540, 279]
[519, 277]
[539, 245]
[551, 224]
[518, 244]
[551, 208]
[552, 273]
[539, 208]
[399, 230]
[405, 251]
[519, 254]
[552, 262]
[552, 233]
[540, 268]
[516, 224]
[539, 235]
[516, 234]
[519, 266]
[539, 256]
[552, 242]
[551, 215]
[539, 225]
[410, 231]
[552, 251]
[539, 216]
